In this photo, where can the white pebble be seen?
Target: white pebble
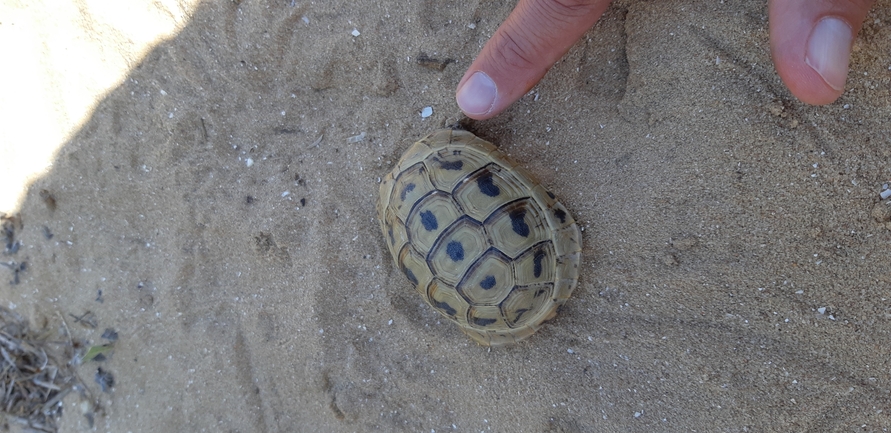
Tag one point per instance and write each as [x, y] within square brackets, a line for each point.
[821, 310]
[426, 112]
[885, 194]
[356, 32]
[472, 26]
[248, 162]
[356, 138]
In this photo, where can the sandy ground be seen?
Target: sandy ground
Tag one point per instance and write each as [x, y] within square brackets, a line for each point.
[212, 209]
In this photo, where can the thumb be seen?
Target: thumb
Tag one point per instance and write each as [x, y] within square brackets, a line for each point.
[810, 42]
[535, 35]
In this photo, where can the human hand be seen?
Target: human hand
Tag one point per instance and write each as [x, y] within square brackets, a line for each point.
[810, 42]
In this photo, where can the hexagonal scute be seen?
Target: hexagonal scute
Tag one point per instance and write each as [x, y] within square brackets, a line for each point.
[485, 317]
[415, 269]
[446, 300]
[543, 197]
[523, 303]
[568, 240]
[517, 226]
[448, 167]
[457, 249]
[536, 265]
[395, 233]
[409, 187]
[567, 274]
[558, 217]
[430, 216]
[488, 189]
[489, 280]
[415, 154]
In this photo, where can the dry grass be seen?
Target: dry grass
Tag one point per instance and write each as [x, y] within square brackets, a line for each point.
[36, 373]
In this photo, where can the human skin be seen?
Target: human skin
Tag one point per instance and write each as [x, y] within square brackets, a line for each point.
[810, 43]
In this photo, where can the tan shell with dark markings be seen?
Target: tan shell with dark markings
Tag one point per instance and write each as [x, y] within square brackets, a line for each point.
[484, 244]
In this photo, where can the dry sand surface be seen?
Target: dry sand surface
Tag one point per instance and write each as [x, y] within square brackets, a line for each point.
[213, 210]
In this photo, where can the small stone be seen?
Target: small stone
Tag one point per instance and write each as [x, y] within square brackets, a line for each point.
[776, 108]
[356, 138]
[685, 243]
[433, 63]
[881, 212]
[426, 112]
[105, 379]
[669, 259]
[110, 334]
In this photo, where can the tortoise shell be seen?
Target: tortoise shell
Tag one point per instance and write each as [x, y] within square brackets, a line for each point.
[482, 241]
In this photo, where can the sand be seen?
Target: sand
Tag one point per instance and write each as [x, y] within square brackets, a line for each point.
[213, 209]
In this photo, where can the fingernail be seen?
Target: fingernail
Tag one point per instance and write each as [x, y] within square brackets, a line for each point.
[477, 95]
[829, 51]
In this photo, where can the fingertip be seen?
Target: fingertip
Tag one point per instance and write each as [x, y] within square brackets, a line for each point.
[806, 84]
[476, 95]
[535, 35]
[811, 44]
[829, 51]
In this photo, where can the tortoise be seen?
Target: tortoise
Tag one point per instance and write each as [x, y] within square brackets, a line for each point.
[481, 240]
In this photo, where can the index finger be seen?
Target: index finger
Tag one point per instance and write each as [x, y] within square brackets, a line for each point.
[535, 35]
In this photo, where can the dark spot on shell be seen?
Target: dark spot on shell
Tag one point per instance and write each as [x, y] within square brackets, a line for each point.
[536, 262]
[451, 165]
[408, 188]
[518, 222]
[486, 185]
[411, 275]
[455, 251]
[429, 220]
[479, 321]
[551, 195]
[560, 213]
[488, 282]
[446, 308]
